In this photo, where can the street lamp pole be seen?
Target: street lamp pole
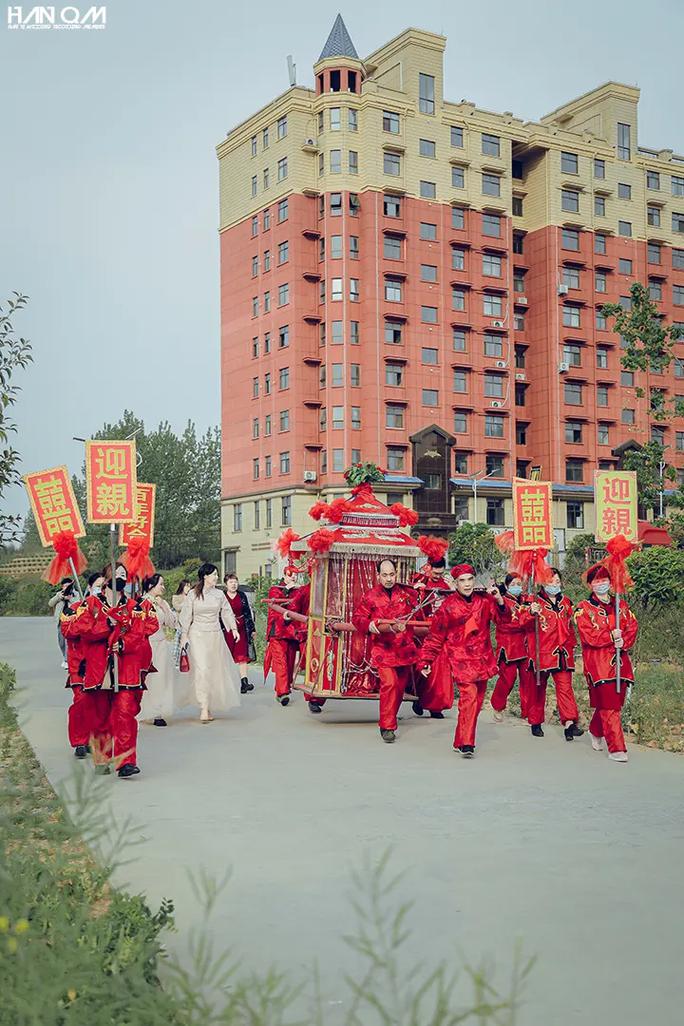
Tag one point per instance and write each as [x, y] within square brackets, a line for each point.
[476, 481]
[661, 469]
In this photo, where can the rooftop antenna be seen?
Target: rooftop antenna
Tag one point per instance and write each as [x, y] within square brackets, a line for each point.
[292, 70]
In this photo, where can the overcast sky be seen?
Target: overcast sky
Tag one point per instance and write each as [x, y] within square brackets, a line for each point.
[109, 178]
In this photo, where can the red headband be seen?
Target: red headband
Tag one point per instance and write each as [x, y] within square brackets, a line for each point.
[291, 569]
[460, 569]
[597, 572]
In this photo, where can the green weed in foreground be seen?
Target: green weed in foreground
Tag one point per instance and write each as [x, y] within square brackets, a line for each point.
[75, 951]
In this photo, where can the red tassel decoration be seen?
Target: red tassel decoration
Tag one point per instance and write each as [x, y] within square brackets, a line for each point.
[137, 560]
[66, 548]
[619, 549]
[319, 510]
[433, 548]
[525, 563]
[286, 541]
[336, 510]
[321, 540]
[407, 517]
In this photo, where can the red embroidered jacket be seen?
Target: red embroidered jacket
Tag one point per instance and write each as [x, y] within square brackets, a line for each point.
[513, 636]
[557, 640]
[595, 620]
[388, 648]
[300, 604]
[135, 621]
[462, 627]
[276, 626]
[69, 624]
[426, 585]
[94, 631]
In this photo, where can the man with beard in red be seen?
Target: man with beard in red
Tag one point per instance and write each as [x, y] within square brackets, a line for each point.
[603, 643]
[382, 614]
[461, 627]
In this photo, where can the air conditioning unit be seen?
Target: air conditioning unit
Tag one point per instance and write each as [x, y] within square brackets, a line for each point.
[563, 367]
[521, 376]
[497, 324]
[309, 476]
[522, 300]
[496, 404]
[310, 142]
[500, 363]
[562, 290]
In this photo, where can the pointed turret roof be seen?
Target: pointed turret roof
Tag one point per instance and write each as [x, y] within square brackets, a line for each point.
[339, 42]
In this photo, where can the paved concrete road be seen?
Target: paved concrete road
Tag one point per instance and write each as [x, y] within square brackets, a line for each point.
[542, 841]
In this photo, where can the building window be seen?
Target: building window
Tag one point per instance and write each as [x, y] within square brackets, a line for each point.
[284, 378]
[267, 219]
[338, 417]
[655, 292]
[285, 463]
[574, 470]
[335, 119]
[394, 416]
[599, 168]
[570, 239]
[677, 222]
[390, 122]
[458, 299]
[458, 339]
[267, 425]
[625, 228]
[518, 243]
[255, 226]
[572, 391]
[355, 375]
[679, 441]
[457, 177]
[337, 333]
[429, 357]
[491, 265]
[395, 458]
[678, 259]
[517, 206]
[600, 281]
[492, 306]
[267, 301]
[237, 516]
[603, 434]
[283, 336]
[257, 515]
[678, 295]
[652, 180]
[428, 232]
[393, 330]
[520, 357]
[427, 148]
[336, 290]
[677, 185]
[269, 513]
[457, 217]
[599, 245]
[428, 272]
[254, 185]
[494, 465]
[628, 417]
[255, 422]
[494, 425]
[521, 433]
[391, 206]
[569, 163]
[426, 94]
[573, 431]
[624, 149]
[394, 374]
[460, 422]
[519, 321]
[282, 169]
[457, 259]
[281, 127]
[352, 119]
[653, 216]
[266, 178]
[575, 515]
[336, 247]
[430, 397]
[654, 250]
[624, 191]
[337, 375]
[428, 190]
[460, 463]
[602, 395]
[493, 385]
[283, 252]
[391, 163]
[600, 206]
[335, 162]
[493, 344]
[336, 204]
[495, 513]
[286, 511]
[255, 469]
[571, 277]
[570, 200]
[353, 162]
[601, 322]
[571, 316]
[460, 383]
[356, 417]
[267, 384]
[282, 211]
[491, 145]
[456, 136]
[253, 142]
[267, 260]
[491, 225]
[284, 419]
[627, 379]
[354, 333]
[428, 314]
[283, 294]
[255, 266]
[353, 290]
[601, 358]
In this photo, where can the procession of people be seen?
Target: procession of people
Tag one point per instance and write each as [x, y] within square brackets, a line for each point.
[130, 655]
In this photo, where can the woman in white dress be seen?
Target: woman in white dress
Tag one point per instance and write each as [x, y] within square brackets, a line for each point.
[158, 703]
[214, 675]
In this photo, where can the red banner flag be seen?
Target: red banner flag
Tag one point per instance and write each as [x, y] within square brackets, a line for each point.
[54, 504]
[143, 526]
[111, 482]
[532, 526]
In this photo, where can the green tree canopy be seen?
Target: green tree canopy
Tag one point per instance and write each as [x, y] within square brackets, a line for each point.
[15, 354]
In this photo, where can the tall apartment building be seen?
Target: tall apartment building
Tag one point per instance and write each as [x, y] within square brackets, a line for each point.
[418, 282]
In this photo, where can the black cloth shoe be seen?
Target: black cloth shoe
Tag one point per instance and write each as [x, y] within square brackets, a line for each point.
[80, 751]
[436, 715]
[128, 771]
[417, 708]
[283, 699]
[569, 733]
[467, 751]
[159, 722]
[576, 730]
[245, 685]
[314, 707]
[388, 736]
[536, 730]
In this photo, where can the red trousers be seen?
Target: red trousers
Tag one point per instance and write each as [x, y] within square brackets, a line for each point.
[87, 716]
[608, 723]
[124, 706]
[394, 681]
[283, 658]
[506, 683]
[565, 696]
[470, 699]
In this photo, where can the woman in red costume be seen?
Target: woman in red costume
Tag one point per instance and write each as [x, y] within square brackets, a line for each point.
[282, 641]
[514, 642]
[603, 643]
[239, 603]
[461, 628]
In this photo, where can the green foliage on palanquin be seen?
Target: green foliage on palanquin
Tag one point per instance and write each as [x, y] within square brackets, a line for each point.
[364, 473]
[648, 344]
[474, 544]
[658, 575]
[15, 354]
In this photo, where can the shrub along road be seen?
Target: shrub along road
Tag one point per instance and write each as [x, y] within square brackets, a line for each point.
[537, 840]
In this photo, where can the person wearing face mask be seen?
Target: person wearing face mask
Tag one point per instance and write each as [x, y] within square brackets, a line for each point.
[461, 627]
[282, 639]
[557, 644]
[513, 648]
[214, 675]
[602, 645]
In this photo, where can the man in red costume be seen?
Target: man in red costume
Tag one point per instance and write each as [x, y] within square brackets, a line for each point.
[89, 630]
[282, 641]
[602, 644]
[382, 614]
[557, 643]
[461, 627]
[435, 693]
[300, 604]
[513, 648]
[135, 620]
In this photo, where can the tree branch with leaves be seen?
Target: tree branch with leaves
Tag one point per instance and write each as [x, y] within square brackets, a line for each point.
[15, 354]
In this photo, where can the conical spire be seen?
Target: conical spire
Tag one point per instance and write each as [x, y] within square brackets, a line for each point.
[339, 42]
